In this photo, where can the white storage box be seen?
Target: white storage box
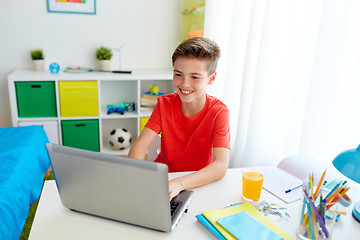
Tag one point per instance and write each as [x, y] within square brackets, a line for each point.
[50, 127]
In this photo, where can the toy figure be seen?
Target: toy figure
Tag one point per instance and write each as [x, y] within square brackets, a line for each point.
[121, 107]
[154, 89]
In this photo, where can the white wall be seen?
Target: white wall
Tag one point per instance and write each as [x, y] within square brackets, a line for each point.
[150, 31]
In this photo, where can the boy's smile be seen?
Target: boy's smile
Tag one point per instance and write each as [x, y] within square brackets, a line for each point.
[184, 92]
[191, 79]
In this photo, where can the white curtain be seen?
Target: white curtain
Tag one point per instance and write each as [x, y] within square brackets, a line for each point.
[290, 75]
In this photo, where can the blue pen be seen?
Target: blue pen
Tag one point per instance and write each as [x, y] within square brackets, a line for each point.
[289, 190]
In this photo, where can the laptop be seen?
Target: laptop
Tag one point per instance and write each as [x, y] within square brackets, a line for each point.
[118, 188]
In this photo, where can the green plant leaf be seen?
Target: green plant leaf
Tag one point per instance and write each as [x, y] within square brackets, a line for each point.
[103, 53]
[37, 54]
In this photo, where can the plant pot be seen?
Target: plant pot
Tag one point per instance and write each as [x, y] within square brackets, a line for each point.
[104, 65]
[39, 65]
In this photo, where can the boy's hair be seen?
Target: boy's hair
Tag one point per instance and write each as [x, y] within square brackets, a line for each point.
[199, 48]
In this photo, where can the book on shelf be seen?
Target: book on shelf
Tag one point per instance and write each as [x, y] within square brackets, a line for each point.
[291, 173]
[242, 221]
[147, 105]
[149, 100]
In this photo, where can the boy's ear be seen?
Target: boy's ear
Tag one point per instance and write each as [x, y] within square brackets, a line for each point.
[212, 78]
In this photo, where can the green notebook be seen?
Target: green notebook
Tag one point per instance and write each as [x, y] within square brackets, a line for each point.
[244, 226]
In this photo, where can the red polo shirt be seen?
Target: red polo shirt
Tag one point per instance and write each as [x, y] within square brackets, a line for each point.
[187, 143]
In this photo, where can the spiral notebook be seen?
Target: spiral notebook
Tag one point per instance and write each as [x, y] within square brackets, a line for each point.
[291, 172]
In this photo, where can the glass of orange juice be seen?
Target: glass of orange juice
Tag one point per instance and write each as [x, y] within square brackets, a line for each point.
[252, 181]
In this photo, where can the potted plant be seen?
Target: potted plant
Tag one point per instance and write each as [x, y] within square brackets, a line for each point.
[104, 55]
[38, 59]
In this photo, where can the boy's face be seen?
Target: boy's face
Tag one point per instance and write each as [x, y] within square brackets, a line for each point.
[191, 79]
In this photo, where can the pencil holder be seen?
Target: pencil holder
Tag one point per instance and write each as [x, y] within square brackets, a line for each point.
[316, 219]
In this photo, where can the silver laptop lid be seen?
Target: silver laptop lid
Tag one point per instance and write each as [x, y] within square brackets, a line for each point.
[119, 188]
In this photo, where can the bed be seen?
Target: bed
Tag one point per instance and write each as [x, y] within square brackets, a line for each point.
[23, 163]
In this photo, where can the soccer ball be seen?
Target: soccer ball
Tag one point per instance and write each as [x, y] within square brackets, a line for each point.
[120, 138]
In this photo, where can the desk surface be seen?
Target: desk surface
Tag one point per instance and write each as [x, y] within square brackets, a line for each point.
[53, 221]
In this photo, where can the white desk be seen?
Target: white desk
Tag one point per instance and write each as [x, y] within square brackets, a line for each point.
[53, 221]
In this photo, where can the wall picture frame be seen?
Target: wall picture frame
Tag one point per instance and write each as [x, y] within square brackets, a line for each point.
[72, 6]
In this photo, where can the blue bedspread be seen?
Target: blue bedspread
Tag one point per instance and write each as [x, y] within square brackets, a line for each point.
[23, 163]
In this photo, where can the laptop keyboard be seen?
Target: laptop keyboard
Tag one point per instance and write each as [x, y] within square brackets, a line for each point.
[174, 207]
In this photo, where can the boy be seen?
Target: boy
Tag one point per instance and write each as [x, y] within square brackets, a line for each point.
[195, 132]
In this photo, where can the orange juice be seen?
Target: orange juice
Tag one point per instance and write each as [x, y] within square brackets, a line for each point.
[251, 185]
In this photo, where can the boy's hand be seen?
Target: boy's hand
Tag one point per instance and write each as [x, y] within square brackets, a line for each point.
[175, 187]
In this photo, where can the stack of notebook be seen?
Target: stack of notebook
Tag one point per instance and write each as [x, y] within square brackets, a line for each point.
[149, 100]
[241, 221]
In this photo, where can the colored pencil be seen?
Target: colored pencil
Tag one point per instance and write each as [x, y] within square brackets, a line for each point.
[334, 194]
[337, 198]
[320, 220]
[320, 184]
[310, 221]
[333, 190]
[311, 184]
[322, 211]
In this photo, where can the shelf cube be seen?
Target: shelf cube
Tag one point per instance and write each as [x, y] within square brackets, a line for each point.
[36, 99]
[78, 98]
[50, 128]
[83, 134]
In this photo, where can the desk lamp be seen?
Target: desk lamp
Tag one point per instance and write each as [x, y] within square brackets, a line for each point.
[348, 163]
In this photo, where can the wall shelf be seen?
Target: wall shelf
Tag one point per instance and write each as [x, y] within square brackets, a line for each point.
[110, 88]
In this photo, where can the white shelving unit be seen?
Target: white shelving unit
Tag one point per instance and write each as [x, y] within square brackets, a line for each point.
[111, 89]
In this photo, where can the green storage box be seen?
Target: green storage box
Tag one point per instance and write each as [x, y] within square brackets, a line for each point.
[82, 134]
[36, 99]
